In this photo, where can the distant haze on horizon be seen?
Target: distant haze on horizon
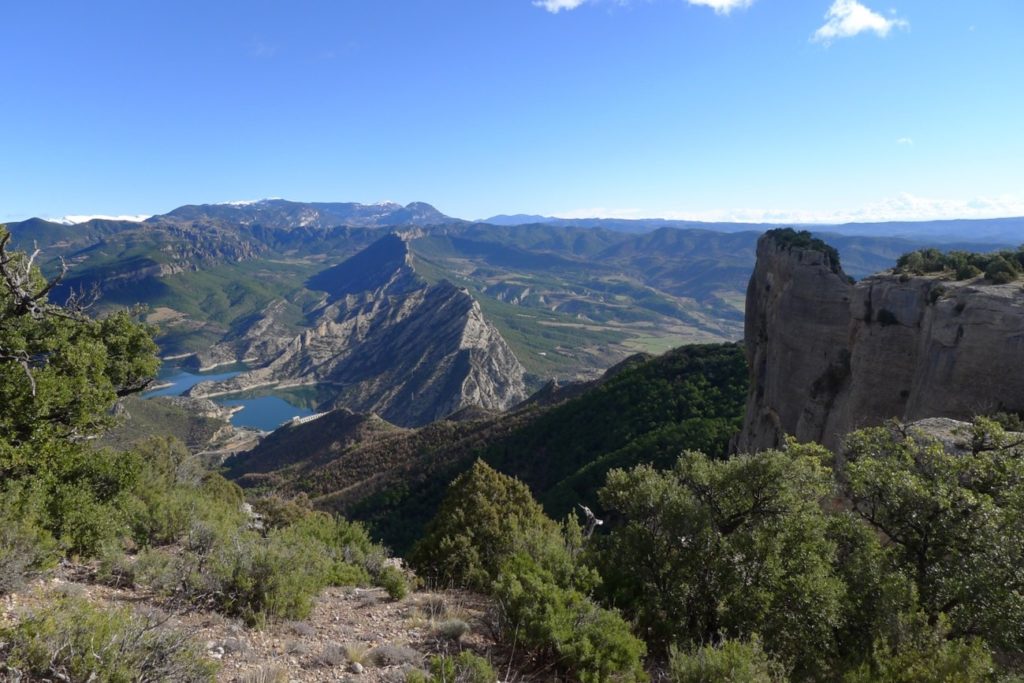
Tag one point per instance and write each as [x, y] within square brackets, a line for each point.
[735, 218]
[759, 111]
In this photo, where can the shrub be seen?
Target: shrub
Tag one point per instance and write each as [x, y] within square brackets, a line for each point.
[259, 578]
[1001, 270]
[86, 643]
[451, 629]
[173, 493]
[802, 239]
[83, 524]
[302, 628]
[732, 661]
[917, 650]
[392, 580]
[26, 549]
[999, 267]
[356, 653]
[952, 521]
[345, 574]
[967, 271]
[264, 579]
[484, 520]
[353, 557]
[394, 655]
[278, 511]
[491, 534]
[115, 568]
[595, 644]
[243, 575]
[465, 668]
[86, 491]
[1011, 422]
[273, 577]
[332, 655]
[875, 594]
[726, 548]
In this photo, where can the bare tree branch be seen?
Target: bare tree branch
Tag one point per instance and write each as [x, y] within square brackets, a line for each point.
[26, 299]
[23, 297]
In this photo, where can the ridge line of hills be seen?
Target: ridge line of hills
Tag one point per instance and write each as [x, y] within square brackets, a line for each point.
[802, 380]
[276, 212]
[245, 282]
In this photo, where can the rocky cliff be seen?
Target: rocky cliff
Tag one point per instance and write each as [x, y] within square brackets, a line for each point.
[828, 355]
[388, 343]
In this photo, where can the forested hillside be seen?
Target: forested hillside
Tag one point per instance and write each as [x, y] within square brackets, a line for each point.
[644, 411]
[147, 514]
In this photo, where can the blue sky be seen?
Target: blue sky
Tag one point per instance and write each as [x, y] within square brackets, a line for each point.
[708, 109]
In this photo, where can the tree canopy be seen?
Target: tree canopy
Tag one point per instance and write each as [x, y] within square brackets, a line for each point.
[726, 548]
[60, 372]
[60, 369]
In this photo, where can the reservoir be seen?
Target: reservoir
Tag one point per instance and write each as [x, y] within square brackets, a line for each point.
[262, 409]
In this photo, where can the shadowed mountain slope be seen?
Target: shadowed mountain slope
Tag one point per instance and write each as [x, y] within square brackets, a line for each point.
[561, 443]
[384, 341]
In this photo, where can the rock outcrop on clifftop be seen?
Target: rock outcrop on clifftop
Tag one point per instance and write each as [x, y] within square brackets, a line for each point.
[828, 356]
[386, 342]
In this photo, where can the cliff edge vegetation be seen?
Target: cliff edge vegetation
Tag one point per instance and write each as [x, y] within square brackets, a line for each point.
[932, 338]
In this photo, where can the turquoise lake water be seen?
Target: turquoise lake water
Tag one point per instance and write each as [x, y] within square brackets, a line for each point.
[265, 410]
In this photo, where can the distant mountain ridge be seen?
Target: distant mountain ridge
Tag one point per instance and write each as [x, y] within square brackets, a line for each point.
[281, 214]
[385, 341]
[997, 231]
[569, 297]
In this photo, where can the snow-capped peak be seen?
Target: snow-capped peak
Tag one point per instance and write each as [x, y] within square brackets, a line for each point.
[246, 202]
[76, 219]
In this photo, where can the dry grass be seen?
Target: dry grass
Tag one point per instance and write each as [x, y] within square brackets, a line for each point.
[356, 653]
[274, 673]
[394, 655]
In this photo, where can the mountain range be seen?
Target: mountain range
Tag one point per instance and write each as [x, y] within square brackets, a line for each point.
[994, 230]
[385, 341]
[823, 355]
[567, 298]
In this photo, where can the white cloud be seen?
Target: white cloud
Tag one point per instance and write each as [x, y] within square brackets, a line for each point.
[556, 6]
[905, 141]
[723, 6]
[720, 6]
[847, 18]
[903, 207]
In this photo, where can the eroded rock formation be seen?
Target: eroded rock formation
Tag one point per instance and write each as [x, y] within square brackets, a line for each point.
[388, 343]
[828, 356]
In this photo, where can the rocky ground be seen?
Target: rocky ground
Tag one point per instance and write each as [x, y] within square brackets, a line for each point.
[352, 634]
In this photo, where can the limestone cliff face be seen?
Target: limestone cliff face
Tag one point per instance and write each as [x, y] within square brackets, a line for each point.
[829, 356]
[394, 346]
[258, 343]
